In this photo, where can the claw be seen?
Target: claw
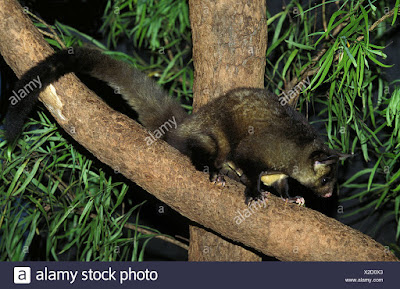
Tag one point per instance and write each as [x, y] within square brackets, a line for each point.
[297, 200]
[265, 194]
[262, 197]
[300, 201]
[219, 181]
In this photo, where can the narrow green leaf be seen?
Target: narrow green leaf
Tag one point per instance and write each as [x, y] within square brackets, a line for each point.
[376, 61]
[278, 27]
[86, 211]
[289, 61]
[397, 207]
[371, 176]
[279, 41]
[29, 176]
[357, 175]
[382, 198]
[272, 19]
[323, 71]
[62, 219]
[396, 11]
[343, 40]
[366, 33]
[16, 178]
[299, 45]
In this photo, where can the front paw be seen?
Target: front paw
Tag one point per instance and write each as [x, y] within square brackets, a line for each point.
[297, 200]
[255, 196]
[218, 180]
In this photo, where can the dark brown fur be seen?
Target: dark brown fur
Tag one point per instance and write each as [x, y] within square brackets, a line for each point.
[252, 129]
[247, 127]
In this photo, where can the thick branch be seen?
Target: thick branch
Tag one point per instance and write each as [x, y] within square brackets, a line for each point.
[229, 45]
[287, 232]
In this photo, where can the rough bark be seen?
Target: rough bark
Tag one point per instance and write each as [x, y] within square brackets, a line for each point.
[209, 247]
[229, 45]
[287, 232]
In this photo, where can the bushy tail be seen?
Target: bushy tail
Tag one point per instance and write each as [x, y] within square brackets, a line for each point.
[152, 104]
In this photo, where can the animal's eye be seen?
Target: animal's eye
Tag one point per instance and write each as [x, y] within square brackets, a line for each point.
[324, 181]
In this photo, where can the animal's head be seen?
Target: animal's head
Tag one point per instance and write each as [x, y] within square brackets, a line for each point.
[320, 175]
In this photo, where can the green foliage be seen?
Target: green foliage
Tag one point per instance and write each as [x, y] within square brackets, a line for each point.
[163, 29]
[154, 24]
[360, 113]
[52, 192]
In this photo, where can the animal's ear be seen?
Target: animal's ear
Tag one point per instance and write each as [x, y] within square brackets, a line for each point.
[323, 158]
[343, 157]
[322, 161]
[326, 160]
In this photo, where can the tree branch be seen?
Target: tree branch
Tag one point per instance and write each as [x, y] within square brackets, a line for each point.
[229, 46]
[287, 232]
